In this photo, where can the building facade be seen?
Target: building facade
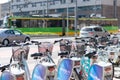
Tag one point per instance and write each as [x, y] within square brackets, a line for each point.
[0, 10]
[61, 8]
[85, 8]
[5, 9]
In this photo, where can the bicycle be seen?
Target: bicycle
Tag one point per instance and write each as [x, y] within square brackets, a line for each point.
[44, 61]
[67, 52]
[18, 68]
[94, 63]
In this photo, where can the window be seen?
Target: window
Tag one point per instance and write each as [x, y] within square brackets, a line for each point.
[86, 0]
[60, 10]
[43, 3]
[87, 29]
[17, 32]
[18, 6]
[97, 29]
[25, 5]
[63, 1]
[9, 32]
[73, 1]
[33, 4]
[40, 3]
[71, 9]
[12, 7]
[17, 0]
[51, 3]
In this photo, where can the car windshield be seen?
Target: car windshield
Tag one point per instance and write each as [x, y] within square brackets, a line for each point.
[87, 29]
[2, 30]
[98, 29]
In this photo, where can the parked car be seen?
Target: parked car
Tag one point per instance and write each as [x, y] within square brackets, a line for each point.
[93, 31]
[7, 36]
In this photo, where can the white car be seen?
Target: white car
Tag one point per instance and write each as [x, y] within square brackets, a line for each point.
[93, 31]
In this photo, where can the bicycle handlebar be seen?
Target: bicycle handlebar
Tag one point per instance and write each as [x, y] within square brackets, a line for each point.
[90, 54]
[2, 68]
[36, 42]
[20, 43]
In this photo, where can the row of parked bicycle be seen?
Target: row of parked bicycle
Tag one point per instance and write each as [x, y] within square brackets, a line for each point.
[80, 59]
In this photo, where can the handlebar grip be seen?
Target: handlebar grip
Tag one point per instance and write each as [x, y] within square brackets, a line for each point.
[36, 54]
[2, 68]
[57, 41]
[36, 42]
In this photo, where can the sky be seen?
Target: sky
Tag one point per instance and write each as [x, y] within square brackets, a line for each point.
[3, 1]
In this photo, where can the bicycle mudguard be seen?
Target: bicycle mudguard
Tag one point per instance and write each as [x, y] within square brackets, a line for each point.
[39, 72]
[95, 73]
[65, 69]
[85, 61]
[7, 76]
[101, 71]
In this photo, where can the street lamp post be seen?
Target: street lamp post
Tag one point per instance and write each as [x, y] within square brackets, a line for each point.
[67, 19]
[95, 7]
[47, 9]
[75, 23]
[9, 7]
[115, 8]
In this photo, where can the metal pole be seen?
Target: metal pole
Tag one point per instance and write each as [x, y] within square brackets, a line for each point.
[95, 7]
[75, 18]
[47, 9]
[43, 12]
[9, 6]
[67, 19]
[115, 8]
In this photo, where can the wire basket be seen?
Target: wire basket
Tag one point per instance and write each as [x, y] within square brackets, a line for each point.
[80, 47]
[45, 48]
[115, 40]
[65, 45]
[18, 52]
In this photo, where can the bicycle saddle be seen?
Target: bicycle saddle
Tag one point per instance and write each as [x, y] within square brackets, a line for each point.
[63, 53]
[90, 54]
[36, 54]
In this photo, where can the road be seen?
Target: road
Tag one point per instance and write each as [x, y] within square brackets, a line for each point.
[6, 52]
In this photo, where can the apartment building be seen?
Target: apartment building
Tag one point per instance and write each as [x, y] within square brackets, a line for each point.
[0, 10]
[85, 8]
[5, 9]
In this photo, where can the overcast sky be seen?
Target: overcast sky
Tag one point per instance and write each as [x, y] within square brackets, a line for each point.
[3, 1]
